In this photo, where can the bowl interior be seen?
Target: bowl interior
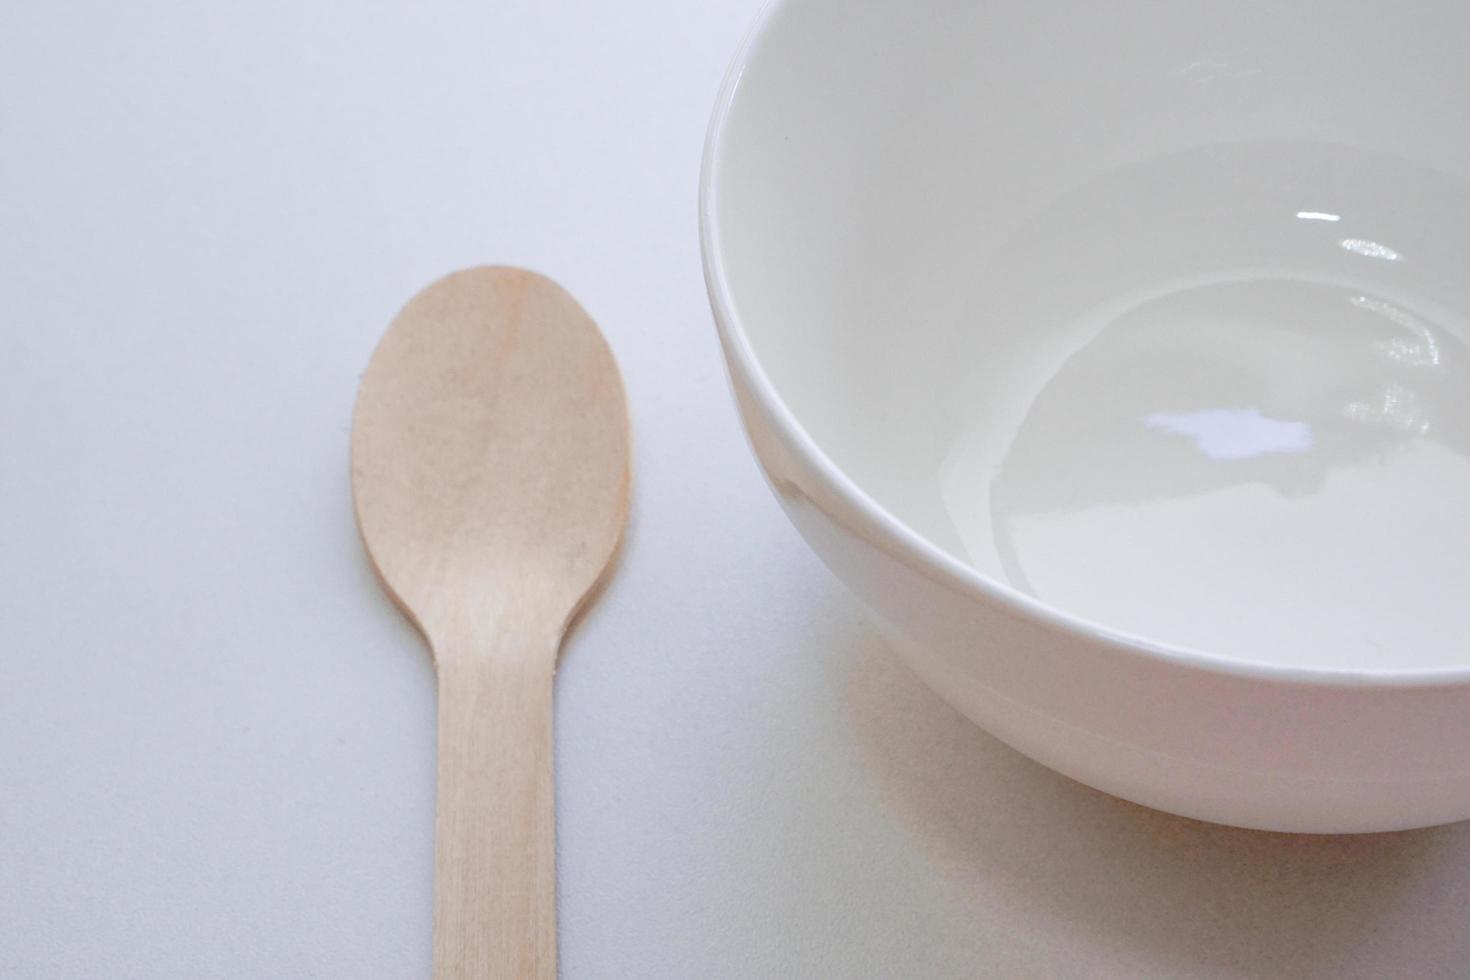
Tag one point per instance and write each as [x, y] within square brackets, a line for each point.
[1158, 313]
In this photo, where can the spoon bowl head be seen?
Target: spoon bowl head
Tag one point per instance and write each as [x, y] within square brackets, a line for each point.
[490, 455]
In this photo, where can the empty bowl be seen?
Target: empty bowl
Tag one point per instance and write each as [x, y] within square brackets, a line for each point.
[1117, 356]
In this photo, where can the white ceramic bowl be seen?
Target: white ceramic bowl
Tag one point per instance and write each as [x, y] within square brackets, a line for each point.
[1116, 356]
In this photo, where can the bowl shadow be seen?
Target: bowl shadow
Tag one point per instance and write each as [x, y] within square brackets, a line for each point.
[1095, 873]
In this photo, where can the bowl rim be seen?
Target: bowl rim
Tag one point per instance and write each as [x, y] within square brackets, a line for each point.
[880, 523]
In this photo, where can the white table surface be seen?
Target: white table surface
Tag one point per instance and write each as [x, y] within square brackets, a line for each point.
[217, 737]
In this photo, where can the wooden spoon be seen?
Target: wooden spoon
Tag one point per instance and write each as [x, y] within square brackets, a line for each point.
[490, 470]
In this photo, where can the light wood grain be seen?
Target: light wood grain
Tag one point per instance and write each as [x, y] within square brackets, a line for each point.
[490, 473]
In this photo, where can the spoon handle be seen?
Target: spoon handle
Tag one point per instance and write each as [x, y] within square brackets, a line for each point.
[494, 836]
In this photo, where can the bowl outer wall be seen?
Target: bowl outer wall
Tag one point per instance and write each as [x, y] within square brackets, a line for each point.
[1273, 754]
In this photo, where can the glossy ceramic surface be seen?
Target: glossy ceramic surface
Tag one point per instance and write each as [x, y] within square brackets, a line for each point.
[1118, 359]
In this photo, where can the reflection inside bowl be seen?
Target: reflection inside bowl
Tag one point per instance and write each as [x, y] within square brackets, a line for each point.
[1222, 399]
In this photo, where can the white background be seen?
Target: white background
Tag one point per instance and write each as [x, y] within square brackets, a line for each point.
[217, 736]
